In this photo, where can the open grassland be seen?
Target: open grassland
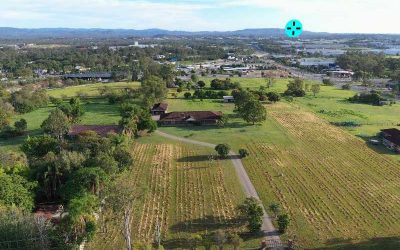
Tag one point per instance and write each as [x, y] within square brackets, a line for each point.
[97, 109]
[91, 89]
[186, 193]
[336, 189]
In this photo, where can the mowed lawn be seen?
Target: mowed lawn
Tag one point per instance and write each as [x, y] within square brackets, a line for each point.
[97, 109]
[185, 192]
[91, 89]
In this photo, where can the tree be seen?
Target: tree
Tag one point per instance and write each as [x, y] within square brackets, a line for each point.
[275, 209]
[6, 112]
[15, 190]
[220, 238]
[315, 88]
[187, 95]
[252, 211]
[194, 78]
[222, 149]
[243, 153]
[273, 97]
[153, 89]
[295, 88]
[283, 222]
[39, 146]
[120, 198]
[222, 121]
[253, 111]
[57, 124]
[27, 231]
[201, 84]
[270, 82]
[20, 126]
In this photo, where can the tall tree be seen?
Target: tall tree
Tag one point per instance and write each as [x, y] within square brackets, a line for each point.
[253, 111]
[153, 89]
[57, 124]
[252, 211]
[121, 198]
[315, 88]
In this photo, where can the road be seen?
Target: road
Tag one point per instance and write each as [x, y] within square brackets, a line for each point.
[271, 235]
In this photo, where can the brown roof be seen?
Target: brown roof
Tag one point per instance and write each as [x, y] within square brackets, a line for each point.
[392, 135]
[101, 130]
[160, 107]
[192, 115]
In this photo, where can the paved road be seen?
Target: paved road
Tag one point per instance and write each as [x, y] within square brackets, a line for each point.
[249, 190]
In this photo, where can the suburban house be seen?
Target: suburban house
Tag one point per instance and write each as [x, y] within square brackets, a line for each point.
[228, 98]
[102, 130]
[159, 109]
[99, 76]
[391, 138]
[190, 118]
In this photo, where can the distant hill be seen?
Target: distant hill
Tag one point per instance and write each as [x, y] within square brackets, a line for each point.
[16, 33]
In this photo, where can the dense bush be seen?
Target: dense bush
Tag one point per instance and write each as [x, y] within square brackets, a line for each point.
[372, 98]
[226, 84]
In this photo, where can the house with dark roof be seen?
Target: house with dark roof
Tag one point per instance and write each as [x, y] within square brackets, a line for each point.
[159, 109]
[90, 76]
[190, 118]
[391, 138]
[101, 130]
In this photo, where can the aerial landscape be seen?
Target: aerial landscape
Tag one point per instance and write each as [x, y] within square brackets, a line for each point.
[158, 124]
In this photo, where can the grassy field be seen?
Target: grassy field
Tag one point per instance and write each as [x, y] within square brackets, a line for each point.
[340, 191]
[186, 193]
[97, 110]
[89, 89]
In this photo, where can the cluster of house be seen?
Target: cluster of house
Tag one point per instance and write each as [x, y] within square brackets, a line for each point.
[160, 114]
[164, 118]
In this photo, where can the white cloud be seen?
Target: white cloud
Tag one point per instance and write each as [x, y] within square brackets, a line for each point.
[317, 15]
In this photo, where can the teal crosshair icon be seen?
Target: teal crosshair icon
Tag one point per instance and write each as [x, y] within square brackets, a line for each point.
[293, 28]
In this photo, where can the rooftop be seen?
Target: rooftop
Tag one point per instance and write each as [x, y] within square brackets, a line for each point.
[392, 135]
[160, 107]
[192, 116]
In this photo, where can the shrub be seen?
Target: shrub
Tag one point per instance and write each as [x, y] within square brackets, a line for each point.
[20, 126]
[283, 222]
[347, 86]
[273, 97]
[327, 82]
[243, 153]
[222, 149]
[187, 95]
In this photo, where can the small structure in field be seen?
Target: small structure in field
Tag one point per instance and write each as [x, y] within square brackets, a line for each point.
[159, 109]
[101, 130]
[190, 118]
[228, 98]
[391, 139]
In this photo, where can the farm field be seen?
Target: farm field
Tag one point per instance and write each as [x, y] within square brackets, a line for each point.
[337, 190]
[340, 191]
[185, 193]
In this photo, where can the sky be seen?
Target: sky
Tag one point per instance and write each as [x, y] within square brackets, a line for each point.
[339, 16]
